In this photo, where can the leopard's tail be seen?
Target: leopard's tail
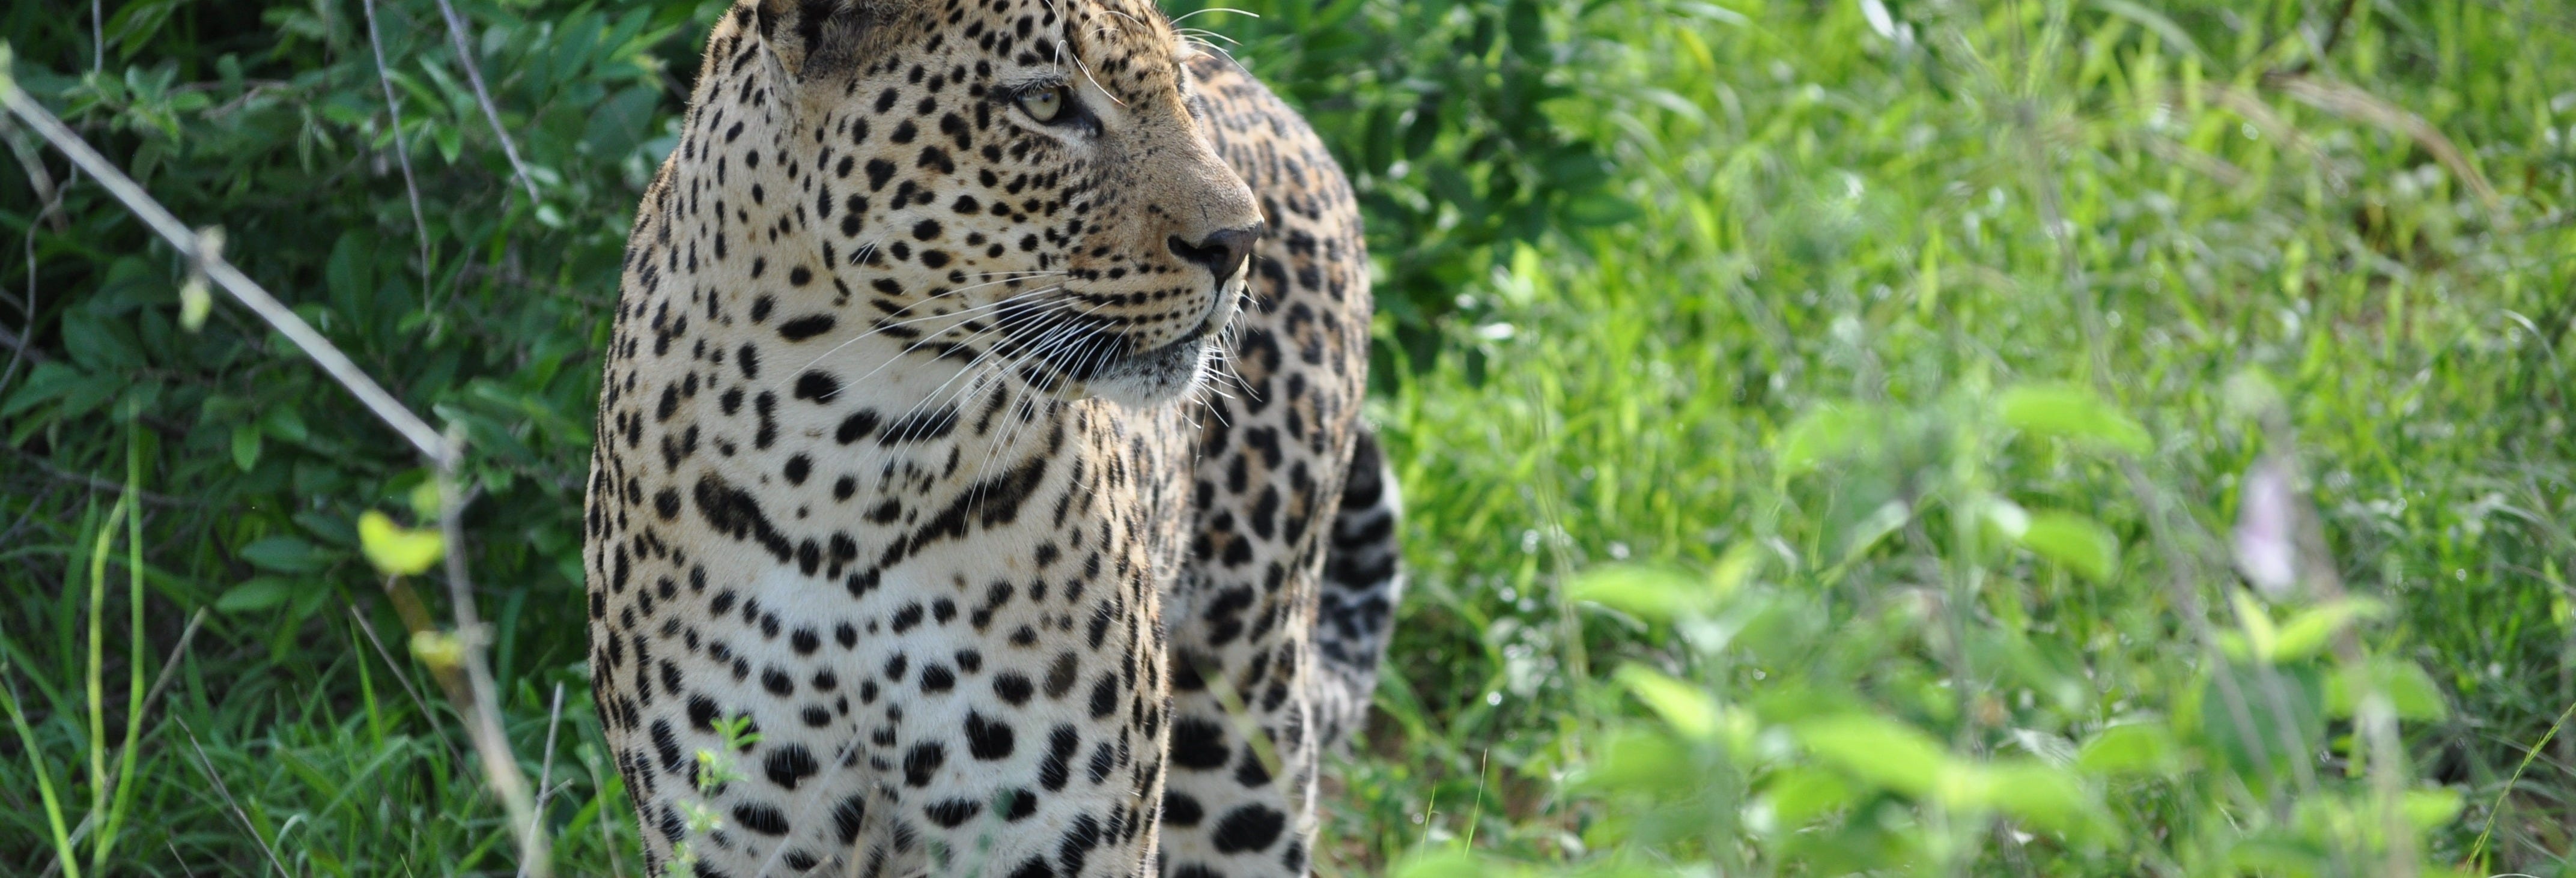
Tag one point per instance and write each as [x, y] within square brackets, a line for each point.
[1363, 577]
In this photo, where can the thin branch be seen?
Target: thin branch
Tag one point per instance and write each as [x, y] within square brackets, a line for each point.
[329, 357]
[402, 153]
[545, 769]
[95, 483]
[52, 197]
[474, 74]
[482, 707]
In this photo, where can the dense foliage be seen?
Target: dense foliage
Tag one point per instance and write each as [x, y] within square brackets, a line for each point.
[2038, 438]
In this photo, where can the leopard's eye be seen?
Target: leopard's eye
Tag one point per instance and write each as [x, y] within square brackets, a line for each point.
[1045, 104]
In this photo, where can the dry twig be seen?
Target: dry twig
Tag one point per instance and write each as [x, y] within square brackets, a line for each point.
[402, 153]
[474, 74]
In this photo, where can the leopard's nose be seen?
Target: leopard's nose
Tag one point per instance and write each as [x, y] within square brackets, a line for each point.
[1223, 252]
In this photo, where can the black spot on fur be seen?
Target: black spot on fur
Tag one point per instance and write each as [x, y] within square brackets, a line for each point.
[806, 327]
[922, 761]
[986, 739]
[760, 818]
[1249, 828]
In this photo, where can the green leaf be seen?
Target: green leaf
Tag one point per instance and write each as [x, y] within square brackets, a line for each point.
[1878, 750]
[246, 446]
[2410, 691]
[2072, 540]
[257, 593]
[284, 554]
[2283, 716]
[2070, 412]
[397, 550]
[1686, 708]
[194, 302]
[283, 422]
[424, 500]
[2307, 633]
[2432, 807]
[1639, 759]
[49, 380]
[1826, 433]
[2136, 748]
[1799, 794]
[2031, 792]
[1735, 568]
[1646, 592]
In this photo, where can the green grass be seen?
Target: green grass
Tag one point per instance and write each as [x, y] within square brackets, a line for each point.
[1719, 344]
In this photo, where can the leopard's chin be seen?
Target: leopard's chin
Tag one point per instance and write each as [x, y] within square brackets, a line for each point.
[1159, 375]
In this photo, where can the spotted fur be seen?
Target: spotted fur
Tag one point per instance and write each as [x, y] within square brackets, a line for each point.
[994, 473]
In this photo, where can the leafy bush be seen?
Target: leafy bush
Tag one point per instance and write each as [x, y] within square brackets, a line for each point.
[1839, 436]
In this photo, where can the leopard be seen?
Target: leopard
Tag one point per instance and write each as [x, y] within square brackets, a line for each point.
[980, 485]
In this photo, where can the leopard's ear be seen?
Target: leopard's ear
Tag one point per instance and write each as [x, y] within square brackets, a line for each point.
[812, 39]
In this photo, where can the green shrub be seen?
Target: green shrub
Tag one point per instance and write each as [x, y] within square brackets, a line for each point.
[1825, 427]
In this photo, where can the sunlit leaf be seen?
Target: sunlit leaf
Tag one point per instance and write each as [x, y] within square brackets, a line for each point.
[397, 550]
[2308, 632]
[2432, 807]
[2135, 748]
[2072, 540]
[1878, 750]
[1735, 568]
[1639, 759]
[194, 303]
[1685, 707]
[2262, 638]
[1646, 592]
[437, 649]
[2069, 412]
[2032, 792]
[1824, 434]
[2410, 692]
[1799, 794]
[424, 500]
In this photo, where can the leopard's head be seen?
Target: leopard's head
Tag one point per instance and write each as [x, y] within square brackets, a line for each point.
[1016, 188]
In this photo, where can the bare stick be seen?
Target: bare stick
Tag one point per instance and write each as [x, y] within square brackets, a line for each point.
[545, 768]
[402, 153]
[474, 74]
[483, 708]
[329, 357]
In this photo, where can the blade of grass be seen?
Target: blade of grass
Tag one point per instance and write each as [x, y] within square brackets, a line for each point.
[97, 668]
[2478, 849]
[44, 778]
[135, 695]
[207, 764]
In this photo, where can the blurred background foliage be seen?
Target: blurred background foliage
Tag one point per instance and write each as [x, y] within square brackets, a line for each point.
[1839, 435]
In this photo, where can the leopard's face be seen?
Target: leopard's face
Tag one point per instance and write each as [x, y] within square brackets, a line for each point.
[1015, 187]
